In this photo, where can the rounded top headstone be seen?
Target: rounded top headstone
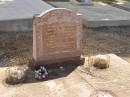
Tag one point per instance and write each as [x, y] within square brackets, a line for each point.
[57, 36]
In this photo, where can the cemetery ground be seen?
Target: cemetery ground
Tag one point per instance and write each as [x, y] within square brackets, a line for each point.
[17, 46]
[70, 81]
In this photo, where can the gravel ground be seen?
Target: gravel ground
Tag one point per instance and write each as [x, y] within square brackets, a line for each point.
[16, 48]
[107, 40]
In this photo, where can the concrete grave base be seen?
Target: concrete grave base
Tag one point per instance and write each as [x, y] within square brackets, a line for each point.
[20, 25]
[78, 83]
[98, 15]
[89, 3]
[124, 6]
[17, 15]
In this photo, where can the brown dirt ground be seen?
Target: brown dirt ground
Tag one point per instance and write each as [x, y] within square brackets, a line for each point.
[107, 40]
[16, 48]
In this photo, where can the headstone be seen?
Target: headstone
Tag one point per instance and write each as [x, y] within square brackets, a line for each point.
[57, 36]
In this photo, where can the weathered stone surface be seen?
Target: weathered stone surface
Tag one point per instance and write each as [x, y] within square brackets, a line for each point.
[57, 36]
[16, 74]
[115, 79]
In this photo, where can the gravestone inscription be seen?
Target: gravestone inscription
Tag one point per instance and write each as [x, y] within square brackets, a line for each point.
[57, 36]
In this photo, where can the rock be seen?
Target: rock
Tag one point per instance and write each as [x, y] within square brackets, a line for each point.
[16, 74]
[100, 61]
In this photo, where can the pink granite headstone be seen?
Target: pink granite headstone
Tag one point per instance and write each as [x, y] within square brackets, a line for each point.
[57, 36]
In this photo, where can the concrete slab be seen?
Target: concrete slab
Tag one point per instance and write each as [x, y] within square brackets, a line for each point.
[99, 15]
[21, 9]
[69, 86]
[116, 78]
[124, 6]
[16, 15]
[78, 83]
[82, 2]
